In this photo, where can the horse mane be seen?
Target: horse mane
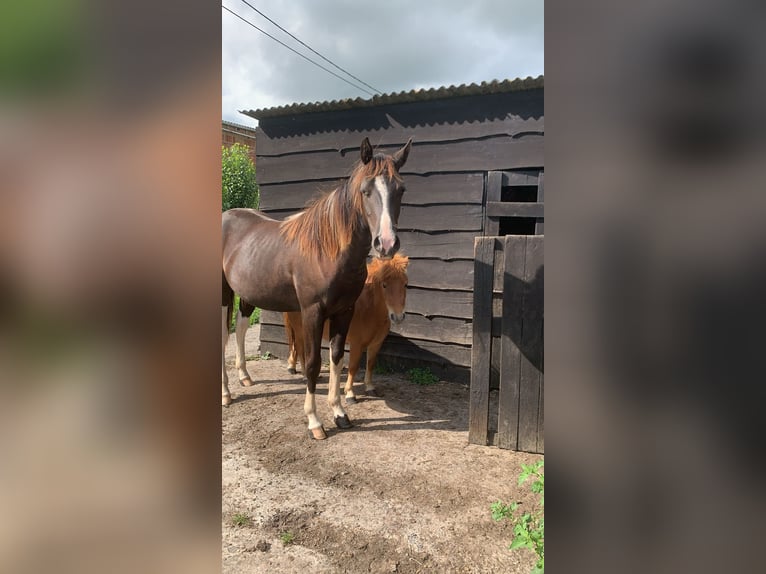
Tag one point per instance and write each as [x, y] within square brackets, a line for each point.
[327, 224]
[379, 270]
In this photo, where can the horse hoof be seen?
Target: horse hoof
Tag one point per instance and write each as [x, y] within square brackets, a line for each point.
[318, 433]
[225, 401]
[342, 422]
[246, 382]
[351, 400]
[292, 371]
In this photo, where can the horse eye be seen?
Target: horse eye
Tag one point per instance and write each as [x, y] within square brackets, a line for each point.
[384, 285]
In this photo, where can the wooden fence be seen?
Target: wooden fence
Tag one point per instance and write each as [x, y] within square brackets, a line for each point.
[508, 305]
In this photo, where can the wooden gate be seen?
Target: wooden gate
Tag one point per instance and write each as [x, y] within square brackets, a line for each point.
[508, 305]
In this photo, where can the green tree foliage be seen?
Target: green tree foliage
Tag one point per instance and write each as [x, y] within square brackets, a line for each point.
[238, 185]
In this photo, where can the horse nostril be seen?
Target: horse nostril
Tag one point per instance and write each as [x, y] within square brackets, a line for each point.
[376, 244]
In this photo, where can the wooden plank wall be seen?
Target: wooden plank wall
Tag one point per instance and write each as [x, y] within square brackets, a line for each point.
[456, 143]
[511, 267]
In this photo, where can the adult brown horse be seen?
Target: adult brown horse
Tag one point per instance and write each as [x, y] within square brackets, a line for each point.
[313, 262]
[381, 303]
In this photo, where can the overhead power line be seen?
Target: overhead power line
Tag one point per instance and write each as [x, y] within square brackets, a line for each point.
[302, 43]
[295, 51]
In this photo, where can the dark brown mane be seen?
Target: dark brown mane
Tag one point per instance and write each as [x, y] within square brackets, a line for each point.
[325, 226]
[379, 270]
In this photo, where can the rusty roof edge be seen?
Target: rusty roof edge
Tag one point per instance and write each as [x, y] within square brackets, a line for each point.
[492, 87]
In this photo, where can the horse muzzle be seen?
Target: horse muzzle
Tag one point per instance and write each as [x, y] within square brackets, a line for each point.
[395, 318]
[385, 247]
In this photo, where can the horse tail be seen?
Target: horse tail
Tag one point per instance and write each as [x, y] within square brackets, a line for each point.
[289, 331]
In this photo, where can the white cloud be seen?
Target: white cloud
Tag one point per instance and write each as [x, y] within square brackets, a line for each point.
[396, 46]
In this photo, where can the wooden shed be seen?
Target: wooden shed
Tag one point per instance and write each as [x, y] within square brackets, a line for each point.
[471, 143]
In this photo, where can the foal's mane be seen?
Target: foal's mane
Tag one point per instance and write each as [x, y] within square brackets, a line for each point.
[379, 270]
[327, 224]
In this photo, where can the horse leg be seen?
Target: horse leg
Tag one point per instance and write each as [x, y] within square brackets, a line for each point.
[243, 322]
[372, 357]
[313, 320]
[225, 394]
[339, 325]
[290, 328]
[354, 358]
[227, 302]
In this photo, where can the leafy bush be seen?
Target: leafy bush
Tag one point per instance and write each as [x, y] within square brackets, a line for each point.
[422, 376]
[529, 527]
[238, 185]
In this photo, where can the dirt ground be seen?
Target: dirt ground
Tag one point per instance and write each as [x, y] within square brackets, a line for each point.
[402, 491]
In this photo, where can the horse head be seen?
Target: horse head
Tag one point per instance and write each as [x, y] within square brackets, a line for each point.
[382, 188]
[391, 275]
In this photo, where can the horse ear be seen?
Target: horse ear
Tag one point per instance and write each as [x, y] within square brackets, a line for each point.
[366, 151]
[400, 157]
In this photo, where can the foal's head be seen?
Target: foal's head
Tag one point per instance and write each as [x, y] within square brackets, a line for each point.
[378, 180]
[391, 276]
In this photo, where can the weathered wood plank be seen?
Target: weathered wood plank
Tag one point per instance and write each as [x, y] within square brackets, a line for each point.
[510, 362]
[437, 274]
[441, 218]
[424, 218]
[530, 382]
[440, 245]
[421, 190]
[494, 189]
[514, 209]
[437, 303]
[270, 317]
[442, 354]
[514, 178]
[464, 156]
[478, 413]
[392, 135]
[440, 329]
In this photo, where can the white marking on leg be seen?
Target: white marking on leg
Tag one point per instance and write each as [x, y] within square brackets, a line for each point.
[225, 394]
[350, 387]
[368, 379]
[310, 408]
[333, 393]
[242, 324]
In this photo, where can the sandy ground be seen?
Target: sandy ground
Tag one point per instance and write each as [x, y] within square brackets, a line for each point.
[402, 491]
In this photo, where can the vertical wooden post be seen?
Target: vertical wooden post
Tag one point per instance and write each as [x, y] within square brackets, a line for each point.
[478, 413]
[531, 378]
[515, 247]
[494, 189]
[539, 225]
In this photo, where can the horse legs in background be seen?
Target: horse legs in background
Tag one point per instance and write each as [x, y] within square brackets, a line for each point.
[354, 358]
[293, 356]
[243, 322]
[372, 358]
[339, 325]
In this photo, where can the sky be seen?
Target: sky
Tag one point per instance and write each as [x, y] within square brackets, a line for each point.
[393, 46]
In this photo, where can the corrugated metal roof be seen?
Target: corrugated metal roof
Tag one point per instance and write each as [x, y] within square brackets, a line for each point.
[238, 126]
[493, 87]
